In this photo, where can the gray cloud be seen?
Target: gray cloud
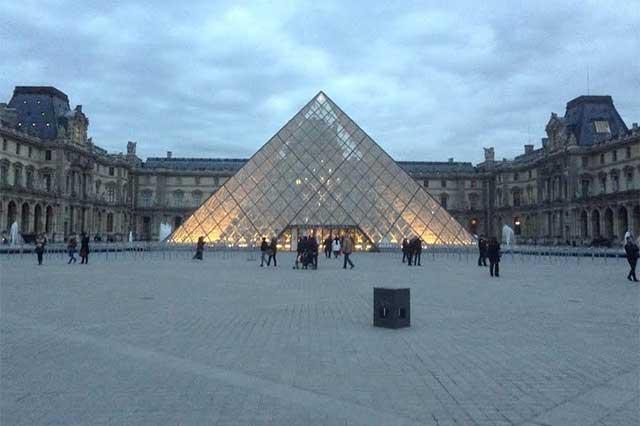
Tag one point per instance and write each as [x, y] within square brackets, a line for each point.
[425, 81]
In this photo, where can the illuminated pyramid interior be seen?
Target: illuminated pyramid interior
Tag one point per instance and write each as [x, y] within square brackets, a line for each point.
[321, 174]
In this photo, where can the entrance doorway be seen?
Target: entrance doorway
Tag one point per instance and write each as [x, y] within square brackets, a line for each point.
[289, 237]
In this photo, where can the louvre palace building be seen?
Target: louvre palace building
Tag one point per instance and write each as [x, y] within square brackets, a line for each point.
[581, 183]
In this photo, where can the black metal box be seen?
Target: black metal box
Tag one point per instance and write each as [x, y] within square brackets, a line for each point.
[391, 307]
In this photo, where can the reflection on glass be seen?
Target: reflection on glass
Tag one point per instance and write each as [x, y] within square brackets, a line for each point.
[321, 174]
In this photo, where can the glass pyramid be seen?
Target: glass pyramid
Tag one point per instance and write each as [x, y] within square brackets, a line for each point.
[321, 170]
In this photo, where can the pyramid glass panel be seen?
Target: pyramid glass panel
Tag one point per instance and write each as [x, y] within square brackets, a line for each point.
[321, 174]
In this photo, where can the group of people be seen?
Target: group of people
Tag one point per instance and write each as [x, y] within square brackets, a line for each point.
[72, 245]
[308, 249]
[268, 251]
[412, 251]
[489, 249]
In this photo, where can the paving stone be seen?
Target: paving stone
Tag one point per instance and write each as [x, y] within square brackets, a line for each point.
[223, 341]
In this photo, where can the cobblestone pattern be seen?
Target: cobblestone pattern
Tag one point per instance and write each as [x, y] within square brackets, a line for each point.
[226, 342]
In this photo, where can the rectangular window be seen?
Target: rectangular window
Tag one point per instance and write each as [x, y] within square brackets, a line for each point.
[4, 144]
[111, 171]
[30, 151]
[4, 175]
[530, 174]
[516, 176]
[443, 183]
[585, 161]
[474, 183]
[516, 199]
[614, 155]
[628, 152]
[602, 126]
[17, 149]
[29, 181]
[425, 183]
[111, 194]
[197, 180]
[585, 188]
[601, 159]
[216, 181]
[47, 155]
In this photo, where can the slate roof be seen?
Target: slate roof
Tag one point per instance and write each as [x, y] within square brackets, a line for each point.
[426, 167]
[195, 164]
[583, 111]
[40, 109]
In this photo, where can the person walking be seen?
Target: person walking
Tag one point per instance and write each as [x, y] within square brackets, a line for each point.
[327, 247]
[493, 252]
[301, 253]
[84, 249]
[417, 251]
[313, 251]
[633, 252]
[482, 251]
[273, 249]
[410, 250]
[199, 249]
[335, 246]
[347, 249]
[405, 250]
[40, 243]
[264, 248]
[71, 250]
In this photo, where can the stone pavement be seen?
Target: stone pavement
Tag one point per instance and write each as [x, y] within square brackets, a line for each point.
[224, 342]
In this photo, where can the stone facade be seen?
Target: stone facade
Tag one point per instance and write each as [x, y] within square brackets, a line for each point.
[583, 183]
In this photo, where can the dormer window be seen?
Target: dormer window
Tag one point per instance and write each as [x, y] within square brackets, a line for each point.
[602, 126]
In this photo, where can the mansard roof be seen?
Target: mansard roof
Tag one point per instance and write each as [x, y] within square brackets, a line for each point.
[39, 109]
[584, 111]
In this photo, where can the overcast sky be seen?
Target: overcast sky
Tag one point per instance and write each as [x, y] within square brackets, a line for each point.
[426, 80]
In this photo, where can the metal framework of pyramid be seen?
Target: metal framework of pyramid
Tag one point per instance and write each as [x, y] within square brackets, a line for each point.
[321, 169]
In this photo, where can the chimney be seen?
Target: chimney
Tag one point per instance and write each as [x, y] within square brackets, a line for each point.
[131, 148]
[79, 108]
[634, 126]
[528, 149]
[489, 154]
[451, 160]
[169, 154]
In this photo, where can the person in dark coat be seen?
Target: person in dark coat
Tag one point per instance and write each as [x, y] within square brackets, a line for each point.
[327, 247]
[410, 249]
[347, 249]
[633, 252]
[301, 253]
[199, 249]
[84, 249]
[313, 251]
[417, 251]
[482, 251]
[264, 248]
[71, 250]
[493, 252]
[40, 243]
[273, 249]
[405, 250]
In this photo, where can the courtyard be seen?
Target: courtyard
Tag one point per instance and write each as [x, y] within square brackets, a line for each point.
[165, 340]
